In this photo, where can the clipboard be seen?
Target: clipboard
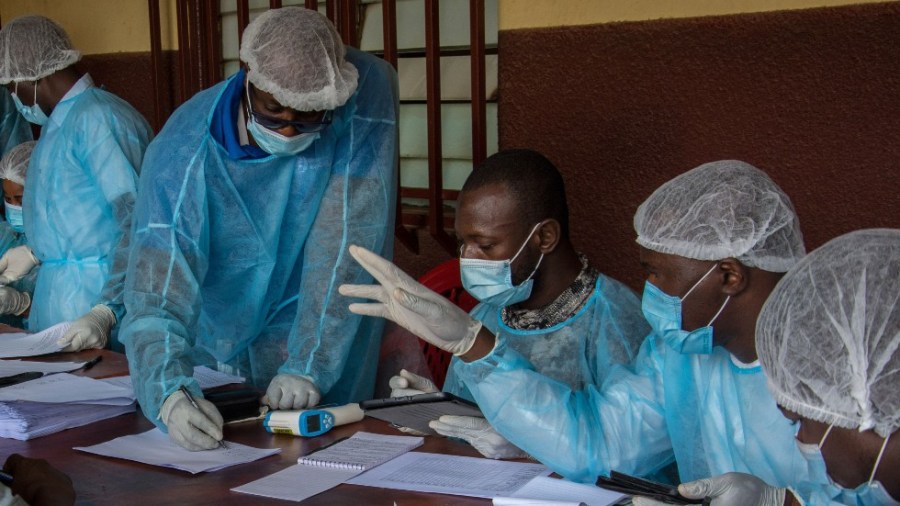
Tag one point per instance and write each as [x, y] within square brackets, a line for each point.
[415, 411]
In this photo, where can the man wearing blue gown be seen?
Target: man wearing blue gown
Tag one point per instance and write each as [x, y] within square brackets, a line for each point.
[249, 199]
[82, 181]
[714, 242]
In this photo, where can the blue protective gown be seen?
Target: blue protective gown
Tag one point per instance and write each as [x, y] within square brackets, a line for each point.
[77, 203]
[14, 130]
[707, 412]
[237, 261]
[579, 351]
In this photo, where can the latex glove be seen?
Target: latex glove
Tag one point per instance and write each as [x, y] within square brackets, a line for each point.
[406, 302]
[13, 301]
[407, 383]
[38, 483]
[730, 489]
[478, 433]
[16, 263]
[287, 391]
[192, 428]
[89, 331]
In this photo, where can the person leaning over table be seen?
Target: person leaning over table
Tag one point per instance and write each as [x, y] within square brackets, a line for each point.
[15, 300]
[569, 320]
[249, 197]
[82, 180]
[714, 241]
[829, 340]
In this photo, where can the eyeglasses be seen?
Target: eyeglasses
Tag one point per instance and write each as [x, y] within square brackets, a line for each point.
[303, 127]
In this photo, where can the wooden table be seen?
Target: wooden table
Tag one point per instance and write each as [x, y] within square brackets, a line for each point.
[103, 480]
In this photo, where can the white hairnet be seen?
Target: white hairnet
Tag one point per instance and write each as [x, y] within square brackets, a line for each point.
[33, 47]
[14, 164]
[296, 55]
[828, 336]
[719, 210]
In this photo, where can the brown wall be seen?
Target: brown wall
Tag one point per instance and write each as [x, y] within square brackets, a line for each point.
[812, 97]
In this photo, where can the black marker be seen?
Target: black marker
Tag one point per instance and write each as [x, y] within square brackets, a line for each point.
[92, 362]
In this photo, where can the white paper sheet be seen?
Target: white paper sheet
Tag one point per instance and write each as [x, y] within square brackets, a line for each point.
[545, 490]
[451, 474]
[30, 345]
[155, 448]
[13, 367]
[206, 378]
[297, 483]
[27, 420]
[67, 388]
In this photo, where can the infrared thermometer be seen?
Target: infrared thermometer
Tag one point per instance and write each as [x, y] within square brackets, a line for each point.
[311, 422]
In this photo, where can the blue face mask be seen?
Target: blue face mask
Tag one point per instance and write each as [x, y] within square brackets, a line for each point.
[275, 143]
[663, 312]
[14, 217]
[32, 114]
[820, 483]
[490, 281]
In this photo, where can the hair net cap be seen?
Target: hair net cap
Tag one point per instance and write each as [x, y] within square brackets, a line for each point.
[724, 209]
[33, 47]
[14, 164]
[296, 55]
[828, 335]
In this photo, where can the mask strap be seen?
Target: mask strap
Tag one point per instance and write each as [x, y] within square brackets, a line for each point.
[522, 247]
[827, 432]
[700, 281]
[878, 460]
[727, 298]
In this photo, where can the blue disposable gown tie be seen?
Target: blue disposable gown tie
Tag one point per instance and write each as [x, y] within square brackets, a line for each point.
[237, 262]
[706, 412]
[14, 130]
[580, 351]
[79, 194]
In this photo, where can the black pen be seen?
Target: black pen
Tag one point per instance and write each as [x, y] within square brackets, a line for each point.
[92, 362]
[190, 398]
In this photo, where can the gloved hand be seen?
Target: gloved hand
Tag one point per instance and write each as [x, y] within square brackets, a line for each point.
[407, 383]
[13, 301]
[406, 302]
[16, 263]
[287, 391]
[192, 428]
[478, 433]
[89, 331]
[729, 489]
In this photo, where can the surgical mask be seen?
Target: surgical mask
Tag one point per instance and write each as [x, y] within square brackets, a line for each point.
[273, 142]
[664, 313]
[33, 113]
[14, 217]
[490, 281]
[869, 493]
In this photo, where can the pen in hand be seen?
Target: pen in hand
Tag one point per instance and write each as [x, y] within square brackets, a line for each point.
[190, 398]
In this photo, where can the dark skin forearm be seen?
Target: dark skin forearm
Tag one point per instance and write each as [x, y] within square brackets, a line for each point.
[483, 345]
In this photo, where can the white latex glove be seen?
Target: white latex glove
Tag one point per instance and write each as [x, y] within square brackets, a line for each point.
[406, 302]
[287, 391]
[407, 383]
[192, 428]
[13, 301]
[16, 263]
[730, 489]
[89, 331]
[478, 433]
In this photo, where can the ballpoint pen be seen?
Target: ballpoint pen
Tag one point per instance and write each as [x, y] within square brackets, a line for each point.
[92, 362]
[190, 398]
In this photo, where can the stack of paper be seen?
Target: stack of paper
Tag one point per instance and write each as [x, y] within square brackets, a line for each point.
[29, 345]
[62, 401]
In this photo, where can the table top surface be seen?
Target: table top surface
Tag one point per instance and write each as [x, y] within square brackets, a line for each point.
[104, 480]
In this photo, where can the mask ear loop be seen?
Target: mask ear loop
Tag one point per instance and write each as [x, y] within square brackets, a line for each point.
[827, 432]
[878, 460]
[700, 281]
[533, 230]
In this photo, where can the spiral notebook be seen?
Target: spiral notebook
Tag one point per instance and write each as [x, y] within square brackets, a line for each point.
[361, 451]
[331, 465]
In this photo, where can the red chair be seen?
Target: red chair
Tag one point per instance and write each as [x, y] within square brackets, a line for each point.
[445, 280]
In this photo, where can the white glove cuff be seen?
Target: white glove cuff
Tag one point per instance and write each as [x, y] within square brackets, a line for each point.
[25, 303]
[103, 311]
[167, 406]
[465, 344]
